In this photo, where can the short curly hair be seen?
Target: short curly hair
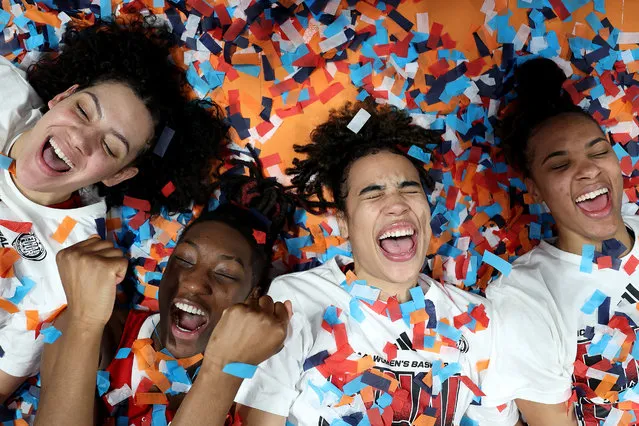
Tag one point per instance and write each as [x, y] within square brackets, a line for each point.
[253, 203]
[334, 148]
[538, 84]
[135, 51]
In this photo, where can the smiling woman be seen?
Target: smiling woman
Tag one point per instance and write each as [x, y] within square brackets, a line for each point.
[107, 116]
[568, 164]
[209, 303]
[347, 330]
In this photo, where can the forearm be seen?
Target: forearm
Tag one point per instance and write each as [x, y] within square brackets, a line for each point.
[68, 388]
[210, 398]
[537, 414]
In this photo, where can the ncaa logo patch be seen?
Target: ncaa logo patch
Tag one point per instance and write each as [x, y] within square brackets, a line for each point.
[29, 247]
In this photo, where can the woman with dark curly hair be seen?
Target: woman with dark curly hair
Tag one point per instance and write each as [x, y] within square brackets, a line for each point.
[370, 335]
[210, 304]
[109, 115]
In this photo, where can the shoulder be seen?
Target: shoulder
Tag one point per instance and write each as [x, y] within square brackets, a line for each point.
[312, 291]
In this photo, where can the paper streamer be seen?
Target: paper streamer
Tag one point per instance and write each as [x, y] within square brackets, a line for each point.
[239, 369]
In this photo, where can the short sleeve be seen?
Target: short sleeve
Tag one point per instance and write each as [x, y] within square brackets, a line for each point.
[22, 350]
[20, 103]
[529, 358]
[273, 388]
[506, 415]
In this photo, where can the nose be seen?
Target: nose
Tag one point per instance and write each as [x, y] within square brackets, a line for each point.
[396, 205]
[85, 139]
[588, 169]
[195, 281]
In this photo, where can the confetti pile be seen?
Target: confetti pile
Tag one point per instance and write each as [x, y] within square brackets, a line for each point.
[274, 63]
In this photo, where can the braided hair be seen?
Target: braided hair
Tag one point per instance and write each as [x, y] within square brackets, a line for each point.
[135, 51]
[255, 206]
[334, 148]
[540, 98]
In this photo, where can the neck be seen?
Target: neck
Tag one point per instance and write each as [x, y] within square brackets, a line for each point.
[42, 198]
[389, 289]
[573, 243]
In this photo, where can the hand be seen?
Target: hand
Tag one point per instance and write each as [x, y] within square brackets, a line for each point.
[90, 271]
[249, 332]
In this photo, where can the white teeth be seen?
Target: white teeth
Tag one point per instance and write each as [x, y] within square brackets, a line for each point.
[591, 195]
[60, 154]
[397, 233]
[189, 309]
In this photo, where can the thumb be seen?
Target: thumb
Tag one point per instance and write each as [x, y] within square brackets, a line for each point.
[289, 308]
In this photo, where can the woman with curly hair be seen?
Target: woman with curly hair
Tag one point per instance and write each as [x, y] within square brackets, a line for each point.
[367, 340]
[209, 303]
[109, 115]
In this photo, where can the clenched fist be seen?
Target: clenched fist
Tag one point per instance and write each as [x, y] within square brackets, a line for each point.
[249, 332]
[90, 271]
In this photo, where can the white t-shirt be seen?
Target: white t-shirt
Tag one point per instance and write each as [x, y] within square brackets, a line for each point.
[284, 387]
[36, 249]
[545, 330]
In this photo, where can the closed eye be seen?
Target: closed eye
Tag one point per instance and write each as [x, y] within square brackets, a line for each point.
[373, 196]
[559, 166]
[108, 150]
[601, 154]
[226, 276]
[82, 112]
[182, 260]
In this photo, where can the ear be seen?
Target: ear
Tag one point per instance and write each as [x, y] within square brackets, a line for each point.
[533, 190]
[121, 176]
[62, 96]
[343, 224]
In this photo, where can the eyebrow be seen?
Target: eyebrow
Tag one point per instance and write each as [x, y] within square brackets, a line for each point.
[376, 187]
[372, 188]
[221, 256]
[98, 108]
[560, 153]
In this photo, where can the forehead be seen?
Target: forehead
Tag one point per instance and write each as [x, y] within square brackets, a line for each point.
[213, 237]
[382, 167]
[565, 132]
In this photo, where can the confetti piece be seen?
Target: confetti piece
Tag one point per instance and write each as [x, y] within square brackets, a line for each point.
[64, 229]
[103, 382]
[17, 227]
[358, 121]
[260, 236]
[587, 256]
[51, 334]
[5, 162]
[593, 302]
[497, 262]
[239, 369]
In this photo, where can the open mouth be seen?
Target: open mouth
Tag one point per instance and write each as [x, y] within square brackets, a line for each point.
[188, 319]
[594, 203]
[398, 242]
[55, 158]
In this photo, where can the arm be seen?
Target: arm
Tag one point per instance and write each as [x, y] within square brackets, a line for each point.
[8, 385]
[89, 272]
[248, 333]
[253, 416]
[537, 414]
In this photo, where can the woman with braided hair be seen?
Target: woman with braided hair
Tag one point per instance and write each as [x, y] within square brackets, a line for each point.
[209, 301]
[109, 115]
[365, 346]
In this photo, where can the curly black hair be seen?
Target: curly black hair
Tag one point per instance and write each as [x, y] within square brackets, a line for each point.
[135, 51]
[538, 85]
[253, 203]
[334, 148]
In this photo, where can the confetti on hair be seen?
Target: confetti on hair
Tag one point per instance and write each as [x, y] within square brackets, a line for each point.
[359, 120]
